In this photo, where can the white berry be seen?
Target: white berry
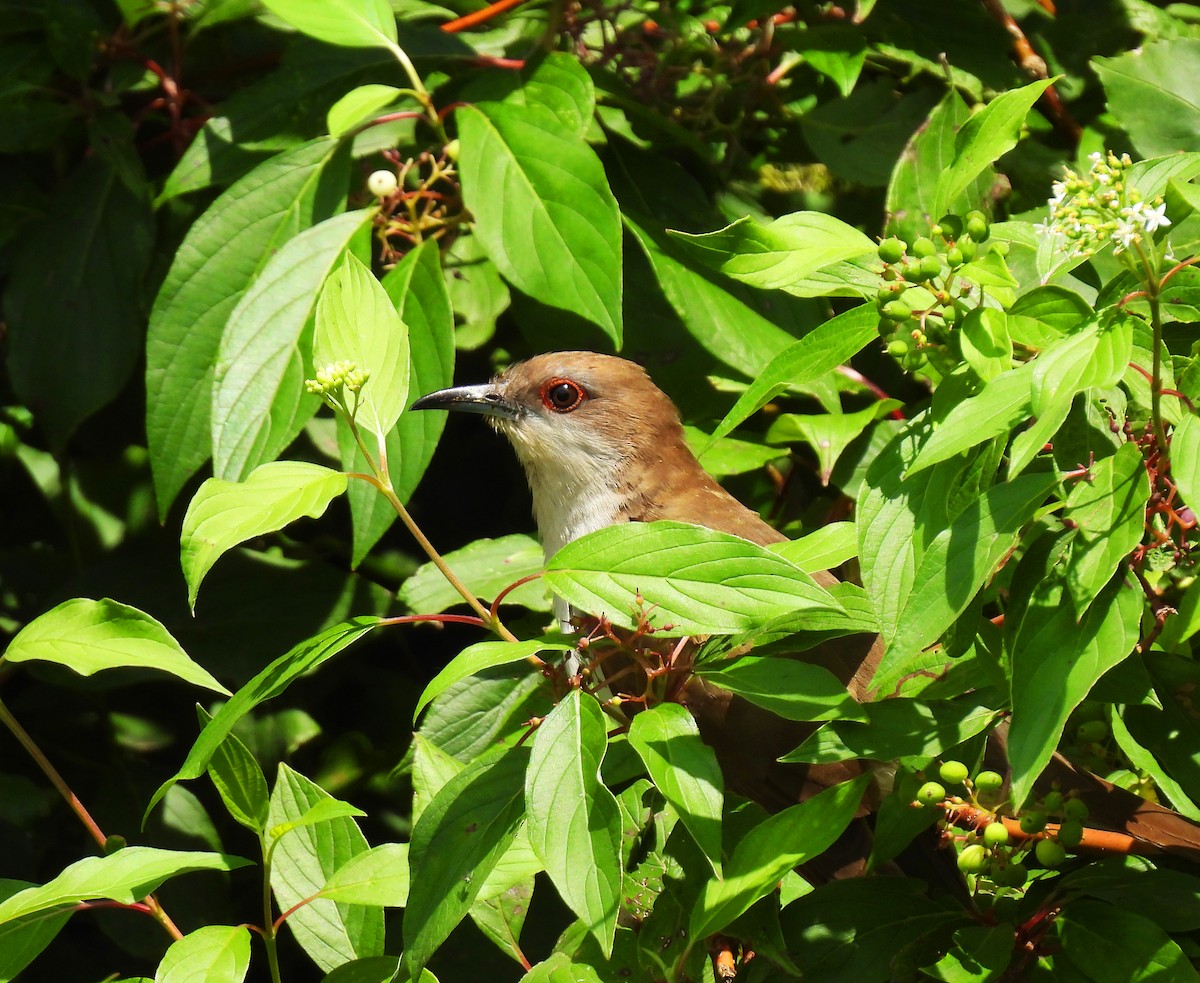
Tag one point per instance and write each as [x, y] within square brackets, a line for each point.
[382, 183]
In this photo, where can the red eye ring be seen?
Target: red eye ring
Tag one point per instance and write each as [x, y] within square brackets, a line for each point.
[562, 395]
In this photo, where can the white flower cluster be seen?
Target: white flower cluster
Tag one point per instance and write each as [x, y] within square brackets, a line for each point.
[1101, 206]
[334, 376]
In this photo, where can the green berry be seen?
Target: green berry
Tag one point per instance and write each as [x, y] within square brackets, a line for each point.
[890, 292]
[1049, 853]
[953, 772]
[1070, 833]
[897, 348]
[1091, 732]
[930, 793]
[931, 266]
[452, 149]
[382, 183]
[914, 361]
[988, 781]
[1011, 875]
[977, 226]
[1053, 802]
[892, 250]
[897, 310]
[891, 274]
[1075, 809]
[951, 226]
[995, 834]
[966, 245]
[910, 269]
[1033, 822]
[973, 859]
[949, 314]
[954, 257]
[923, 247]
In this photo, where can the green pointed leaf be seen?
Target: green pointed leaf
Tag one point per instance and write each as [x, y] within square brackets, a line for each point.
[541, 202]
[820, 351]
[486, 566]
[418, 291]
[1153, 94]
[778, 255]
[1055, 662]
[239, 780]
[258, 399]
[302, 863]
[560, 968]
[1113, 943]
[698, 581]
[459, 838]
[985, 137]
[378, 876]
[88, 636]
[269, 683]
[573, 821]
[321, 811]
[685, 770]
[125, 876]
[212, 954]
[482, 655]
[789, 688]
[770, 850]
[351, 23]
[23, 939]
[220, 257]
[359, 105]
[1185, 459]
[225, 513]
[955, 565]
[822, 549]
[357, 322]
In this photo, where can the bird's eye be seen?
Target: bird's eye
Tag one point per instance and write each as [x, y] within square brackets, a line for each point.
[562, 395]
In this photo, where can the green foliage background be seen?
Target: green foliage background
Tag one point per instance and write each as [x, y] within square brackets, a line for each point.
[699, 187]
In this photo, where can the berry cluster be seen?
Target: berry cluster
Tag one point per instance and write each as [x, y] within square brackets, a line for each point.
[924, 293]
[332, 378]
[993, 847]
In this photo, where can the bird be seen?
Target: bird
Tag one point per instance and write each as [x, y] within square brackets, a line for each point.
[601, 444]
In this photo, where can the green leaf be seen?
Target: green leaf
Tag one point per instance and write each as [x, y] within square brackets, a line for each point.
[572, 818]
[914, 180]
[258, 399]
[985, 343]
[220, 257]
[822, 549]
[727, 456]
[1055, 662]
[482, 655]
[685, 770]
[378, 876]
[239, 781]
[486, 566]
[23, 939]
[1110, 943]
[827, 434]
[360, 104]
[820, 351]
[322, 811]
[542, 206]
[1185, 459]
[778, 255]
[455, 844]
[75, 316]
[1154, 94]
[126, 876]
[1109, 509]
[88, 636]
[998, 407]
[418, 291]
[897, 728]
[770, 850]
[560, 968]
[303, 861]
[707, 307]
[351, 23]
[223, 514]
[697, 580]
[212, 954]
[792, 689]
[356, 322]
[955, 566]
[984, 138]
[269, 683]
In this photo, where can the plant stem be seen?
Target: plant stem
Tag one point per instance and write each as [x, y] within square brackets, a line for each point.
[268, 927]
[155, 909]
[1154, 299]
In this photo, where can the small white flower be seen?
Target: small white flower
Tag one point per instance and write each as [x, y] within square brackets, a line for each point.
[1155, 218]
[1095, 157]
[1127, 233]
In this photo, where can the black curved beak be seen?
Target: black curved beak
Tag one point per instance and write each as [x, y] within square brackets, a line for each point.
[486, 400]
